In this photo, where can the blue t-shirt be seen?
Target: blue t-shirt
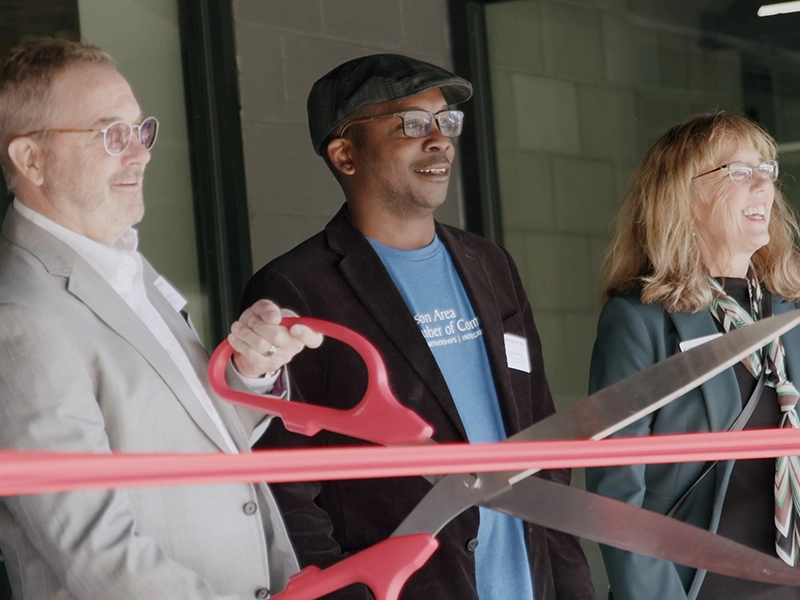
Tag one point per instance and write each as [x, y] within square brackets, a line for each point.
[432, 289]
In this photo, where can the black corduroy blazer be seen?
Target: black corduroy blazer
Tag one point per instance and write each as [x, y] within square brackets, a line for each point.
[336, 275]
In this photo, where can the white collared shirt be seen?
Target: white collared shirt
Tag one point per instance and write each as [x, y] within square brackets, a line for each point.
[121, 266]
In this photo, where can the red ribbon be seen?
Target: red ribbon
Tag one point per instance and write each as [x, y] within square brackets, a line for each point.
[23, 472]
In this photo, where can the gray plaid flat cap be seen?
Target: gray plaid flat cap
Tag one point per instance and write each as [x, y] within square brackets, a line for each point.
[341, 93]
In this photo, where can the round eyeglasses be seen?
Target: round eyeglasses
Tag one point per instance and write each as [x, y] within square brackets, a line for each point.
[740, 172]
[417, 123]
[117, 136]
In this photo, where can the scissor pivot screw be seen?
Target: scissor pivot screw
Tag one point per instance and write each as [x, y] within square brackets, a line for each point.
[472, 481]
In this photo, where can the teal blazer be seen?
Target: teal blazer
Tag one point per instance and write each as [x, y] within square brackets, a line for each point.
[631, 336]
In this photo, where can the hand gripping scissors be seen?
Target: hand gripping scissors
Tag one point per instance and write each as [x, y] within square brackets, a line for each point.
[381, 418]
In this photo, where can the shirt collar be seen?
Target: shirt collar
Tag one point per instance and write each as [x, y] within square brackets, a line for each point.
[112, 262]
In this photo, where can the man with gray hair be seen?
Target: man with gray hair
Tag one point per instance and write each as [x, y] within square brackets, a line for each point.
[448, 313]
[96, 356]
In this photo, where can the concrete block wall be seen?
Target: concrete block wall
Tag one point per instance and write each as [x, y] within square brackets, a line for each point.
[283, 46]
[581, 89]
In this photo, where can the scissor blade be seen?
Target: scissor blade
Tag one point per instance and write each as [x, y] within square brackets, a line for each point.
[615, 523]
[618, 405]
[600, 415]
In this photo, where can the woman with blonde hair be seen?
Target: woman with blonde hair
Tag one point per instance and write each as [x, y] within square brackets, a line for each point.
[704, 242]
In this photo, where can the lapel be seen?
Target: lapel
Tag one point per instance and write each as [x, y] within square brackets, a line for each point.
[472, 271]
[89, 287]
[791, 340]
[198, 356]
[720, 414]
[370, 281]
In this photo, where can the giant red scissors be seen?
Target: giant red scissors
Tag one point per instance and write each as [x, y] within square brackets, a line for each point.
[387, 565]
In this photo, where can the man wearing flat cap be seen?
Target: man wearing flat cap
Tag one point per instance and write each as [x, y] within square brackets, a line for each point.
[441, 305]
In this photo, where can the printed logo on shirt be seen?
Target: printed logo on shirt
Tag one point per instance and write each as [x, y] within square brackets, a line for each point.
[445, 327]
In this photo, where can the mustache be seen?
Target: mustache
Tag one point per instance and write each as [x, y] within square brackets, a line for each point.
[438, 159]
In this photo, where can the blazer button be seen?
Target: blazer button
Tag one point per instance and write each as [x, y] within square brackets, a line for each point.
[472, 544]
[250, 509]
[262, 593]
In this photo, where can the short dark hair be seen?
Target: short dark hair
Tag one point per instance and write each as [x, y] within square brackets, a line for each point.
[355, 134]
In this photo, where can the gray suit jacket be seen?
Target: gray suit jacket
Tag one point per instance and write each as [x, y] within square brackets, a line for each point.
[79, 372]
[631, 336]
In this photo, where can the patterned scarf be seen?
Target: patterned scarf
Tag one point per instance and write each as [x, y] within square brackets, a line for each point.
[730, 314]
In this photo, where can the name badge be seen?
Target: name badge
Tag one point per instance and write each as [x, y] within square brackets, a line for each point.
[689, 344]
[517, 352]
[170, 293]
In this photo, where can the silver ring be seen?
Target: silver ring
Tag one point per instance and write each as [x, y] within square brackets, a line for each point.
[272, 350]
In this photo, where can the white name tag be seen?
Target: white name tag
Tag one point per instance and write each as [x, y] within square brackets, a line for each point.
[689, 344]
[170, 293]
[517, 352]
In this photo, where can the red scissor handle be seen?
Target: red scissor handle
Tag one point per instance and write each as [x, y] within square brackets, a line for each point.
[379, 417]
[384, 567]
